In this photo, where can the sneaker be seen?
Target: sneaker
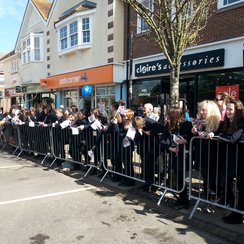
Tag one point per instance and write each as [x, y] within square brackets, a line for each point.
[65, 170]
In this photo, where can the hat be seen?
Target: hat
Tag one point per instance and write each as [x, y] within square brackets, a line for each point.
[61, 106]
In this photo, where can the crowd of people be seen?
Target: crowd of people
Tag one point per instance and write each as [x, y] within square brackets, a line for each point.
[222, 117]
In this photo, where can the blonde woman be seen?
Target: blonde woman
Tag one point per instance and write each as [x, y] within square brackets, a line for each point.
[207, 126]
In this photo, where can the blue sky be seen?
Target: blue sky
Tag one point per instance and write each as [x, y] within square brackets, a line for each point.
[11, 15]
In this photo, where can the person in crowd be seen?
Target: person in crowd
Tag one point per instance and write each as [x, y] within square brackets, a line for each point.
[12, 117]
[59, 137]
[50, 116]
[125, 148]
[139, 110]
[148, 112]
[230, 135]
[73, 108]
[41, 113]
[177, 133]
[207, 125]
[147, 141]
[1, 113]
[99, 125]
[72, 152]
[33, 114]
[221, 100]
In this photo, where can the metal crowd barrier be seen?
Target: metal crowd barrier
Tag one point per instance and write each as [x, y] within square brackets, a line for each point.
[146, 162]
[10, 136]
[73, 147]
[213, 173]
[213, 164]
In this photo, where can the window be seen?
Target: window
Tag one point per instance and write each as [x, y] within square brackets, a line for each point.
[14, 66]
[37, 50]
[76, 32]
[141, 24]
[227, 3]
[86, 30]
[63, 38]
[31, 48]
[73, 34]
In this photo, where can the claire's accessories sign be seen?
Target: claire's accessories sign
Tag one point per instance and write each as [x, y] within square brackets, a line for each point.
[202, 60]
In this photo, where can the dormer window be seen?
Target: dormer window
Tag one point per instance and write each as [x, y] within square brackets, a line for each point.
[75, 28]
[32, 48]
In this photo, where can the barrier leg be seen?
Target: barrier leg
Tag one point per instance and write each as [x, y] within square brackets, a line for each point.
[88, 171]
[194, 209]
[15, 150]
[21, 150]
[52, 162]
[160, 199]
[42, 162]
[104, 175]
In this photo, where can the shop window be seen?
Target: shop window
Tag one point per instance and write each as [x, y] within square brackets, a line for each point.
[70, 98]
[207, 83]
[105, 95]
[146, 91]
[227, 3]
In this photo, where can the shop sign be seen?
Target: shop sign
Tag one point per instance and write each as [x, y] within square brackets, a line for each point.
[194, 61]
[10, 92]
[98, 75]
[232, 90]
[20, 89]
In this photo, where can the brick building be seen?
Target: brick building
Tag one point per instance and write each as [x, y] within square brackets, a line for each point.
[221, 44]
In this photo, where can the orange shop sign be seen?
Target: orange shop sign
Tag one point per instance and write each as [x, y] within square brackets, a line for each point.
[232, 90]
[98, 75]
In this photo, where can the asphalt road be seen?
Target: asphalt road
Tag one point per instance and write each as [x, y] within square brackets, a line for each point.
[40, 205]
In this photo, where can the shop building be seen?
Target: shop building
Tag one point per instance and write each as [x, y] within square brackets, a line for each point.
[11, 83]
[63, 46]
[215, 64]
[85, 48]
[30, 52]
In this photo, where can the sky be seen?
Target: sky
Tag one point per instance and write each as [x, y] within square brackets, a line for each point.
[11, 15]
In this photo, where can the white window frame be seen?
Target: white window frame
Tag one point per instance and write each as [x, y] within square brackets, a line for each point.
[141, 24]
[222, 4]
[14, 66]
[79, 17]
[30, 52]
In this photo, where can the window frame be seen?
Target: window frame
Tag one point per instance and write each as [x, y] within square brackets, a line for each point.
[14, 66]
[80, 33]
[142, 26]
[222, 5]
[30, 51]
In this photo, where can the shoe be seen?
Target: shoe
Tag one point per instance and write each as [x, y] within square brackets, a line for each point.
[233, 218]
[65, 170]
